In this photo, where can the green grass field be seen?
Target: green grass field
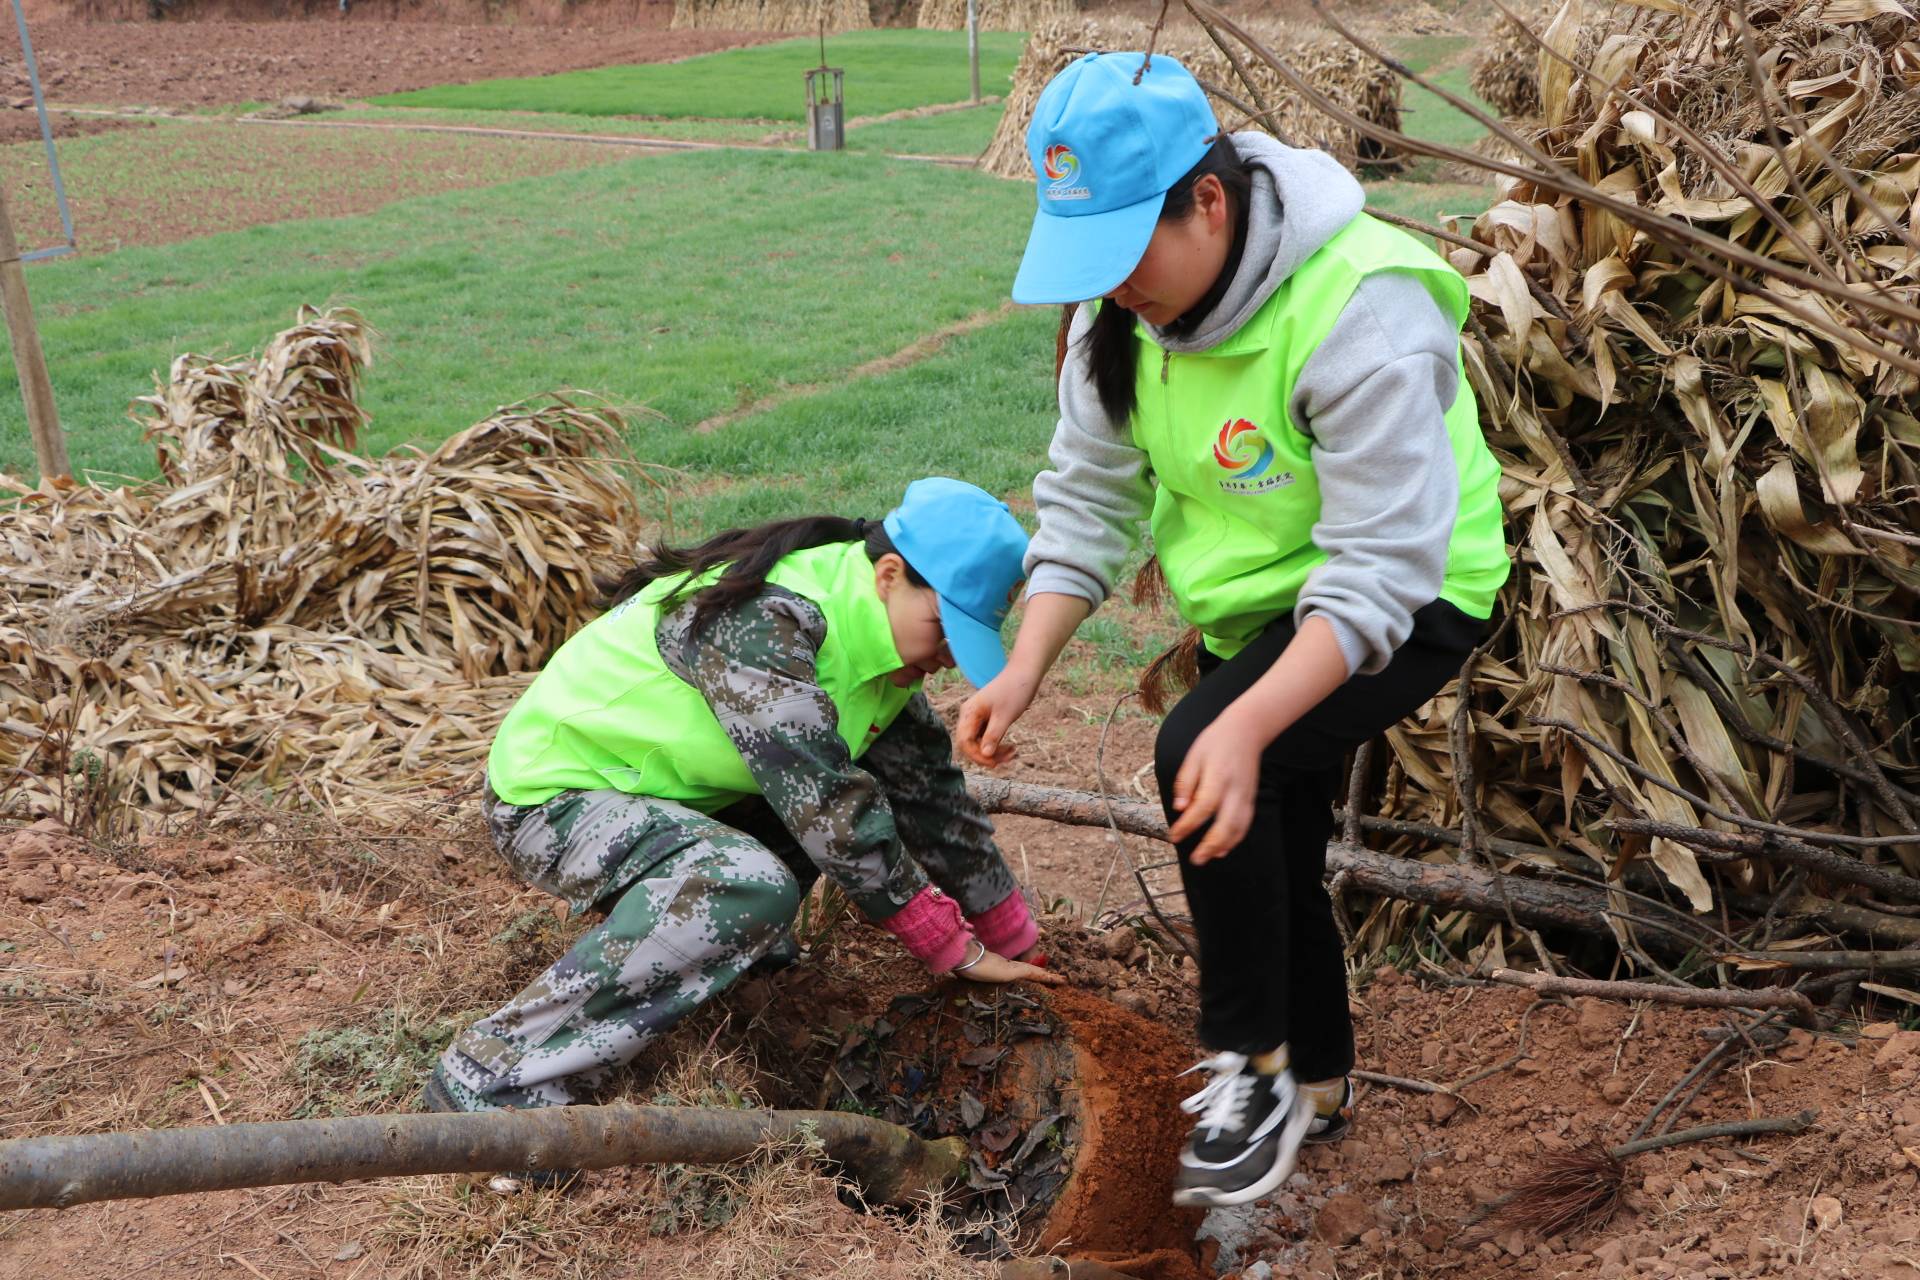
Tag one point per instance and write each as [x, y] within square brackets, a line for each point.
[692, 283]
[886, 71]
[695, 284]
[965, 132]
[677, 130]
[1427, 189]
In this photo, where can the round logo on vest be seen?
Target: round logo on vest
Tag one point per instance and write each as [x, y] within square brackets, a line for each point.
[1244, 452]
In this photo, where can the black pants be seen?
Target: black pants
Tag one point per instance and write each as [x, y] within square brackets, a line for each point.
[1272, 970]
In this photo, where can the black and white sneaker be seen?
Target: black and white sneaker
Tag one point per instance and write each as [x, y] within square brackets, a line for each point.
[1332, 1128]
[1248, 1136]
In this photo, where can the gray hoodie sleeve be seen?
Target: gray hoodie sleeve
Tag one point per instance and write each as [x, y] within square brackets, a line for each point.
[1093, 498]
[1374, 399]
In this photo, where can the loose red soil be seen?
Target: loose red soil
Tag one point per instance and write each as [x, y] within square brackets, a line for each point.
[1115, 1207]
[151, 983]
[208, 178]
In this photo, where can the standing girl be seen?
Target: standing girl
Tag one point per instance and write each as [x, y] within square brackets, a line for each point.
[747, 715]
[1273, 379]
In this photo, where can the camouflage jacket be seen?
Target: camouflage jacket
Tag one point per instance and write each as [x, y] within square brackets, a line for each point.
[755, 665]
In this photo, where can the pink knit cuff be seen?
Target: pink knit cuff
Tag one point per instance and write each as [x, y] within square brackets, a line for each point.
[1008, 929]
[932, 928]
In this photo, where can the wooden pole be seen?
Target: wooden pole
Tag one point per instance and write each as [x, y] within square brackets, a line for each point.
[973, 47]
[36, 389]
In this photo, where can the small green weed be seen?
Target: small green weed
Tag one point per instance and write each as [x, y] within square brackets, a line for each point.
[353, 1070]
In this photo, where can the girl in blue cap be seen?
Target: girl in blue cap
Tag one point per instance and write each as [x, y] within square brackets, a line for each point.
[747, 715]
[1272, 379]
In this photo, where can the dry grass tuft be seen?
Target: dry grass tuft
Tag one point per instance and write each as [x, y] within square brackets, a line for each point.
[775, 1213]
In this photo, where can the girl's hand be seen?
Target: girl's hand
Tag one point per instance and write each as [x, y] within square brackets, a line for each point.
[993, 968]
[1217, 781]
[990, 712]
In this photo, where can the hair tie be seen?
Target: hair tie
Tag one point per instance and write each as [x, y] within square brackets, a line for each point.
[860, 529]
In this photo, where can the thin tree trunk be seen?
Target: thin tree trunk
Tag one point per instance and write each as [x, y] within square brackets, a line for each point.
[890, 1163]
[1452, 886]
[1462, 887]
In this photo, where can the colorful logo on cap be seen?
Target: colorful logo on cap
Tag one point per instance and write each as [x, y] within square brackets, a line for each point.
[1062, 167]
[1242, 450]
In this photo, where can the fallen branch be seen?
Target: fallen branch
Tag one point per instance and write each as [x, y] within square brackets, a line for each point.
[1458, 887]
[1695, 997]
[1450, 886]
[1775, 847]
[891, 1165]
[1403, 1083]
[1731, 1129]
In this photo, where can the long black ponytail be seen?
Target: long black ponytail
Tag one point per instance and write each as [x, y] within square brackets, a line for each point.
[750, 555]
[1113, 347]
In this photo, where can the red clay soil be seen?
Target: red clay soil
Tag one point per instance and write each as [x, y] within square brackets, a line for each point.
[149, 983]
[207, 63]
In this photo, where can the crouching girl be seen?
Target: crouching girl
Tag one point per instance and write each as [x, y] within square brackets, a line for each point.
[748, 714]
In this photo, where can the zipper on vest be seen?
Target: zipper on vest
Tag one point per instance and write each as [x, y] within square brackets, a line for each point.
[1166, 357]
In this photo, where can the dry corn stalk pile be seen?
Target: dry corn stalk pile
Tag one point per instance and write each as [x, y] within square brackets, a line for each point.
[281, 612]
[1336, 67]
[995, 15]
[802, 16]
[1507, 72]
[1694, 343]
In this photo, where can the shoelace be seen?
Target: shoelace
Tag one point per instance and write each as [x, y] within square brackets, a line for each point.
[1222, 1101]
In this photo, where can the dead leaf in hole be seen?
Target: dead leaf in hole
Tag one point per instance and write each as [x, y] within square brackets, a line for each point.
[981, 1178]
[972, 1110]
[984, 1057]
[1040, 1129]
[999, 1135]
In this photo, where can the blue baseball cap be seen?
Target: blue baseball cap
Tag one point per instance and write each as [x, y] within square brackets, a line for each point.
[970, 549]
[1104, 152]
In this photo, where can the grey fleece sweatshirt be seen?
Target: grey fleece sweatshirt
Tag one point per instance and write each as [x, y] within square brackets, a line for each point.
[1373, 400]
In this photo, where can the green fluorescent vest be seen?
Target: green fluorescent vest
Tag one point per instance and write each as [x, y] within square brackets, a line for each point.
[607, 713]
[1233, 518]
